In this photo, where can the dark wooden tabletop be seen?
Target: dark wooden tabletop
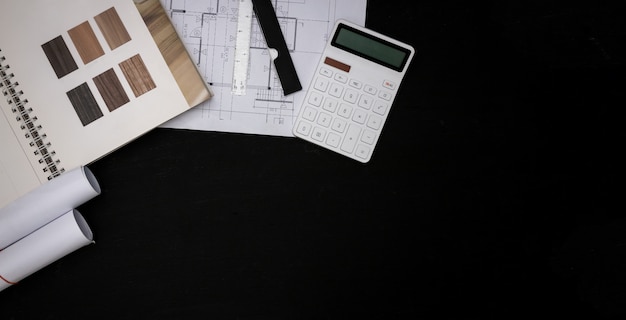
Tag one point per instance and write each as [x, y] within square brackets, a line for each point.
[495, 193]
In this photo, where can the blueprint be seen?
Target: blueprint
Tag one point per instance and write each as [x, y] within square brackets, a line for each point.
[208, 30]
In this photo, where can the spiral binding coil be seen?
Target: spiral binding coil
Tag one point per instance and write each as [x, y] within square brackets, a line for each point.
[32, 131]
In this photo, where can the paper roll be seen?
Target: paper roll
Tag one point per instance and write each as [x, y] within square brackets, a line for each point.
[47, 244]
[46, 203]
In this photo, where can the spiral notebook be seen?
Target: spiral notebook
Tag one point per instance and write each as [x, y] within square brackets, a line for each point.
[80, 79]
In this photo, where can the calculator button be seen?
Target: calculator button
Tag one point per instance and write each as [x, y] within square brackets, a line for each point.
[315, 98]
[385, 95]
[380, 107]
[345, 110]
[359, 116]
[349, 141]
[321, 84]
[368, 137]
[389, 85]
[303, 128]
[330, 105]
[365, 102]
[374, 122]
[369, 89]
[326, 72]
[335, 90]
[339, 125]
[324, 119]
[362, 151]
[318, 134]
[333, 140]
[309, 113]
[350, 96]
[355, 84]
[341, 78]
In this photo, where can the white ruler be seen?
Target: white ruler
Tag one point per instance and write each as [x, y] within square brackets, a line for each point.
[242, 47]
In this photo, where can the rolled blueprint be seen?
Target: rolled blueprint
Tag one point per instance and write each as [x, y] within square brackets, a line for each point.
[46, 203]
[47, 244]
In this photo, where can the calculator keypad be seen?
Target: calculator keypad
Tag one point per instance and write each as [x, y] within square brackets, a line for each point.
[344, 114]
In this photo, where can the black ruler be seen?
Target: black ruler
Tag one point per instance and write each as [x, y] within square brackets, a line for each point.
[266, 15]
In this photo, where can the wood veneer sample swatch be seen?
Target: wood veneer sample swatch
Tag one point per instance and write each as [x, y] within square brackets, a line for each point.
[59, 56]
[137, 75]
[111, 89]
[112, 28]
[84, 104]
[189, 80]
[86, 43]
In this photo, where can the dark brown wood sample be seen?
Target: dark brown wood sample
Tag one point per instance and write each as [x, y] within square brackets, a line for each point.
[84, 104]
[111, 89]
[59, 56]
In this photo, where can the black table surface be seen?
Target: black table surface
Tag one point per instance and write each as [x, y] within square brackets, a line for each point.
[495, 192]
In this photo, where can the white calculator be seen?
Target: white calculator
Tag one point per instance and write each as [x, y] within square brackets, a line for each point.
[352, 90]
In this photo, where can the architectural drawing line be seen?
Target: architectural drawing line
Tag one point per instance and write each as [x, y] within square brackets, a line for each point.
[208, 30]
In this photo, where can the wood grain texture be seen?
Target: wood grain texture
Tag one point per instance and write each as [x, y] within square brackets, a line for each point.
[84, 104]
[111, 89]
[112, 28]
[189, 80]
[59, 56]
[86, 43]
[137, 75]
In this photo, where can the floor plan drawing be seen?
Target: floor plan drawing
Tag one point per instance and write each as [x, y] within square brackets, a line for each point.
[208, 30]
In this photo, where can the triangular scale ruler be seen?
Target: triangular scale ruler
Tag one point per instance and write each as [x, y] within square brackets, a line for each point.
[242, 47]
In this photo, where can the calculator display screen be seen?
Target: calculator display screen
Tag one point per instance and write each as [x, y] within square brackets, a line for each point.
[370, 47]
